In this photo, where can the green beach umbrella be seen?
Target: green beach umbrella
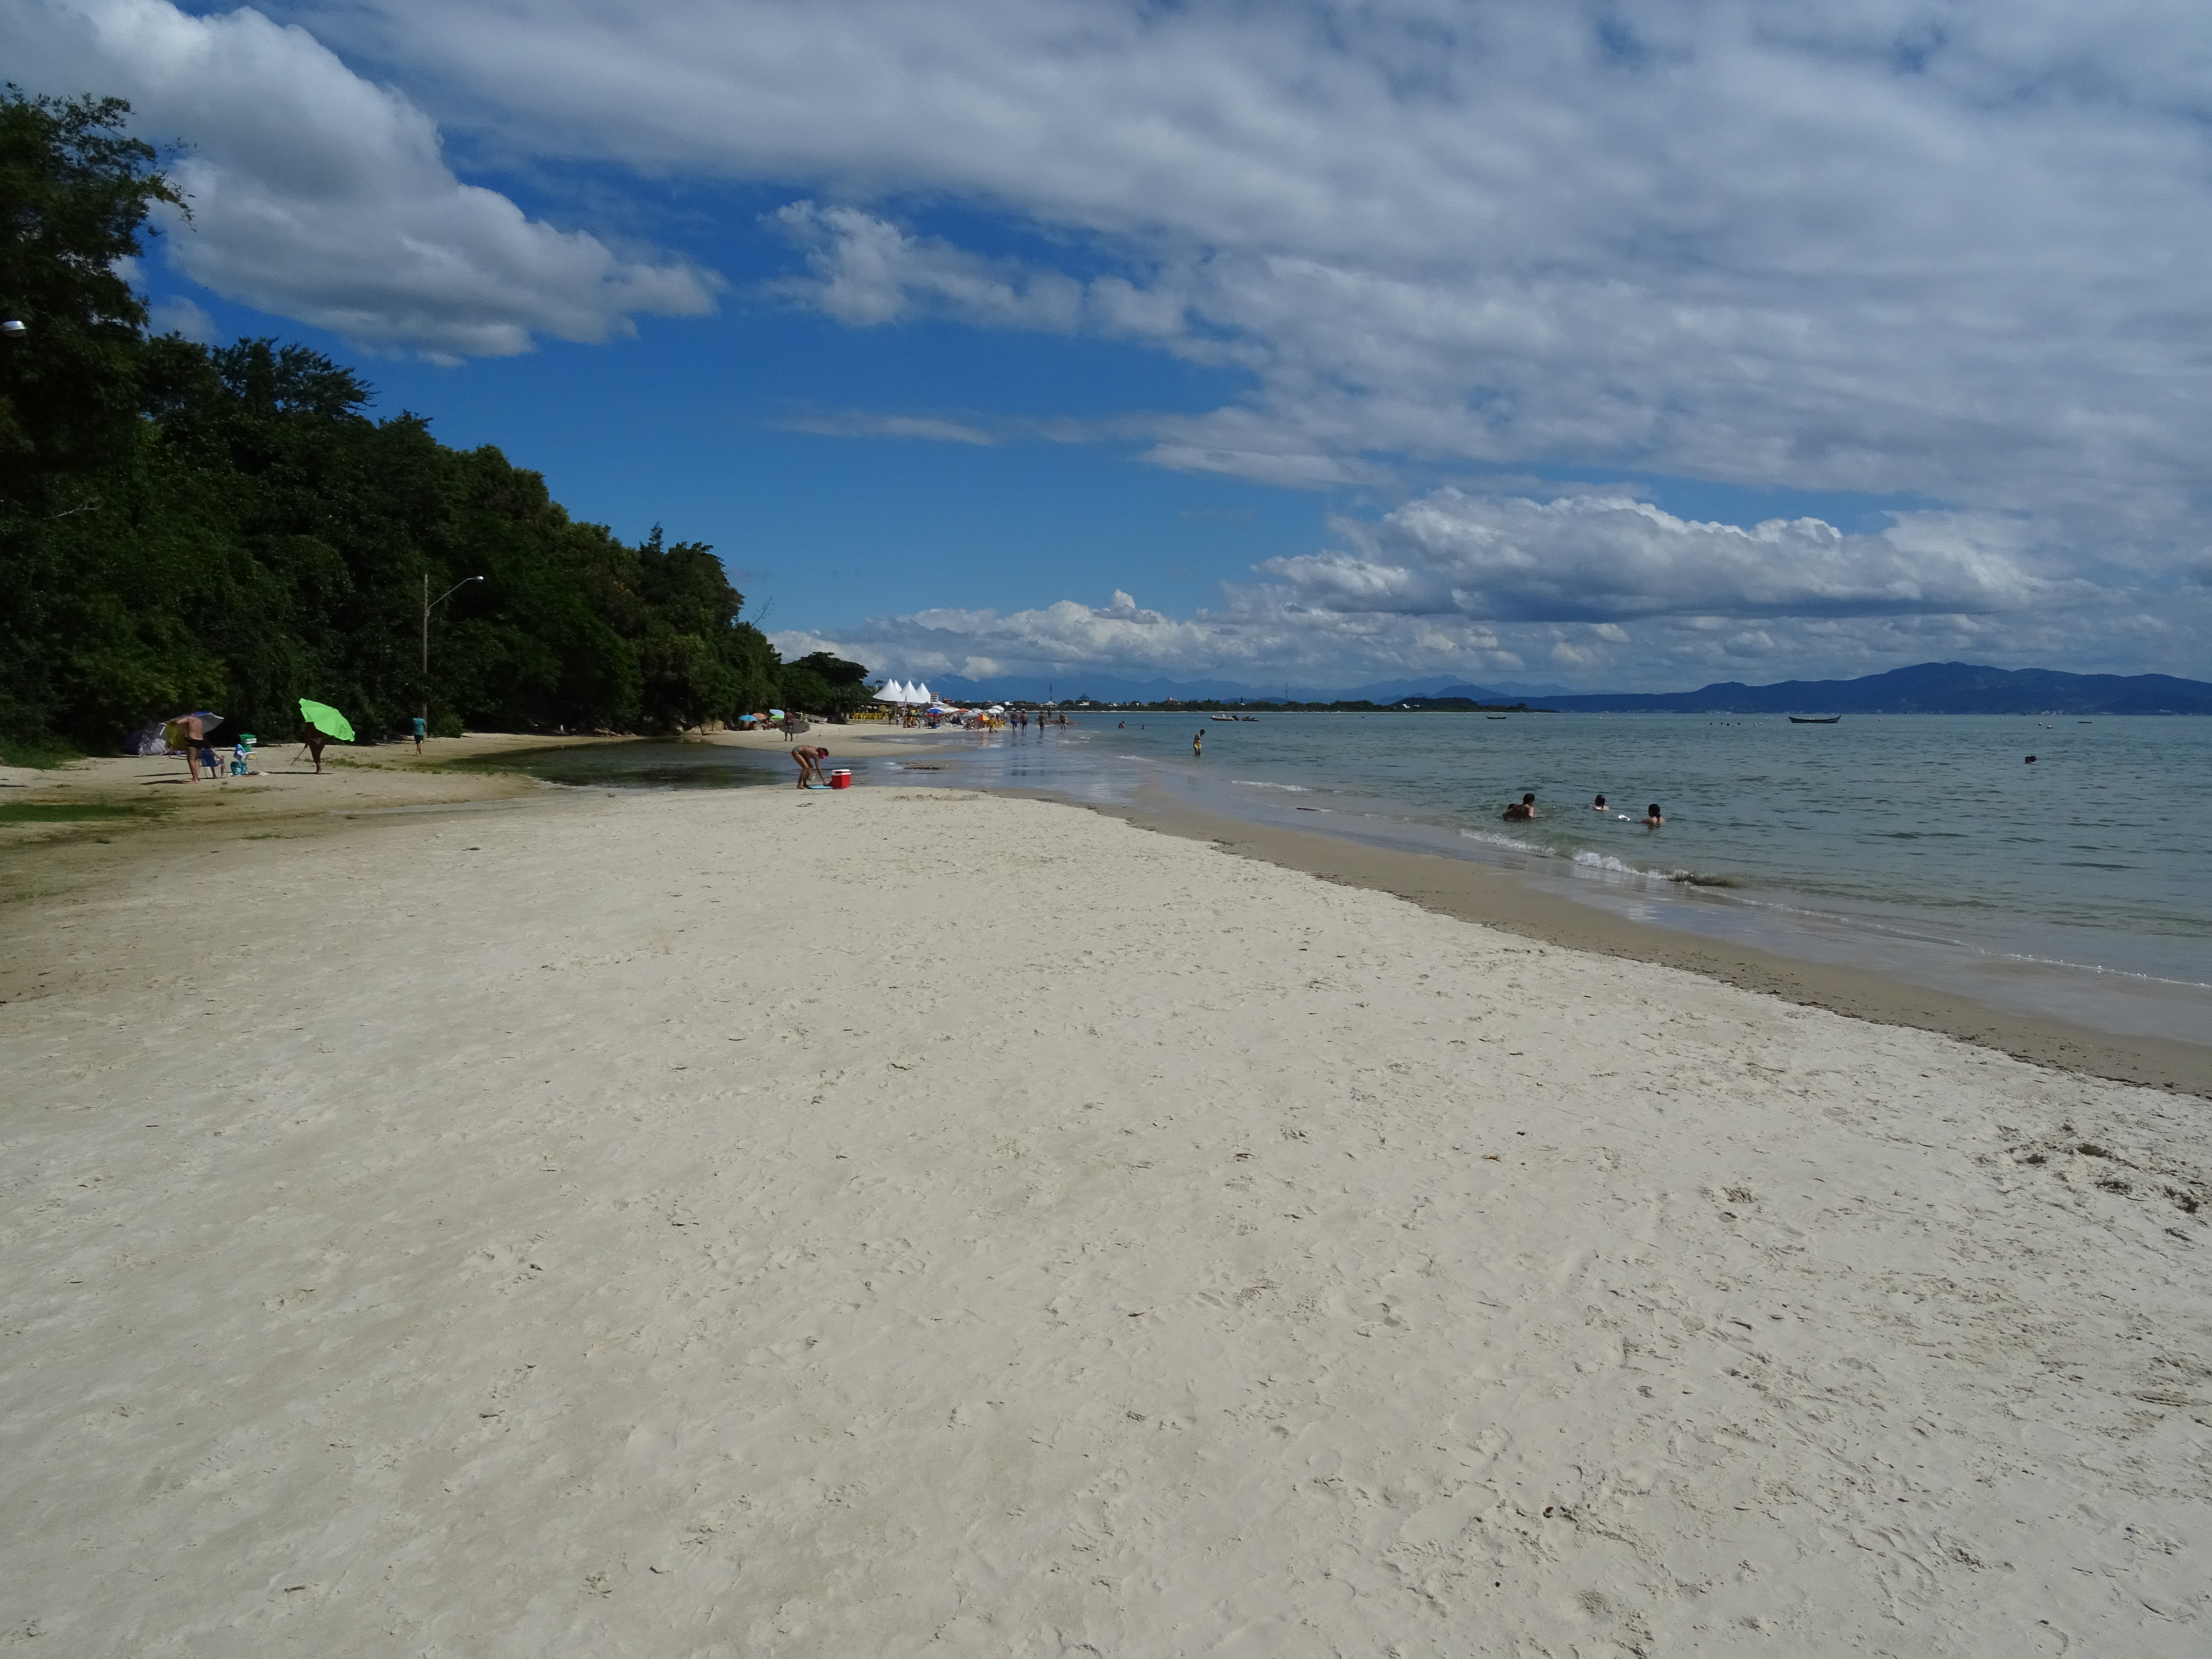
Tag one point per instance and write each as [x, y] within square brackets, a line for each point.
[326, 720]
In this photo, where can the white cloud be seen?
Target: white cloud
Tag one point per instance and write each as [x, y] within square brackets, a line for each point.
[863, 424]
[320, 196]
[867, 271]
[1594, 557]
[182, 316]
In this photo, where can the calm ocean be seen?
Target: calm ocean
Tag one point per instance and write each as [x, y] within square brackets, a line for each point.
[1923, 847]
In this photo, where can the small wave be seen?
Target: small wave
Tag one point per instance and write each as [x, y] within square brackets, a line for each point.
[1605, 865]
[1490, 838]
[1255, 783]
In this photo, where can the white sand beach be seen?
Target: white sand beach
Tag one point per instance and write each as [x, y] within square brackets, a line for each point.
[903, 1221]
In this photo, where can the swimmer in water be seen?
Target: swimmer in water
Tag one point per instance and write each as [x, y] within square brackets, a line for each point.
[1652, 816]
[1521, 810]
[1598, 806]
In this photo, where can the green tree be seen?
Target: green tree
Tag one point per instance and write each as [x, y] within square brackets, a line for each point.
[75, 192]
[821, 683]
[228, 528]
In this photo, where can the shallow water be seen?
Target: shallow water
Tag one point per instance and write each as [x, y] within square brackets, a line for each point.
[1923, 847]
[647, 764]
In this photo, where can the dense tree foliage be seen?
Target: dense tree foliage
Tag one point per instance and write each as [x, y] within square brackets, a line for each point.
[225, 528]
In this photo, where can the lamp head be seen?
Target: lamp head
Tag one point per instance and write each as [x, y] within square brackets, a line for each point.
[14, 328]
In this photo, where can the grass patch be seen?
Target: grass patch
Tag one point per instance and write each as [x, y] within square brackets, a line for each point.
[41, 757]
[26, 812]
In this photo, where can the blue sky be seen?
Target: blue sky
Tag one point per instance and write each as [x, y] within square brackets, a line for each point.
[1602, 345]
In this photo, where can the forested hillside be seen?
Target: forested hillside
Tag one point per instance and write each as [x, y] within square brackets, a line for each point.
[183, 527]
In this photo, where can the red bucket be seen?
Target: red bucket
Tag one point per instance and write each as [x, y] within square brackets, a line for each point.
[841, 778]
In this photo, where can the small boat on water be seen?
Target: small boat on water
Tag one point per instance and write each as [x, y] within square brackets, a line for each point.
[1815, 719]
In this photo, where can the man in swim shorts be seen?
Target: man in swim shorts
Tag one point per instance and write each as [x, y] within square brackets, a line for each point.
[185, 734]
[810, 764]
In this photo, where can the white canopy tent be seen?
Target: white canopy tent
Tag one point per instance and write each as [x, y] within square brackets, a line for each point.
[892, 692]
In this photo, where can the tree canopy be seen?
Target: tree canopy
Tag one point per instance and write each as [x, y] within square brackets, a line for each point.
[193, 527]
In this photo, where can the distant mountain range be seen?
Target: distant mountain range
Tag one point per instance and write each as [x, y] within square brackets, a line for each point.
[1930, 687]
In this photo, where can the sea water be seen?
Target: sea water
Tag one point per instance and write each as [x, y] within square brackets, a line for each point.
[1928, 848]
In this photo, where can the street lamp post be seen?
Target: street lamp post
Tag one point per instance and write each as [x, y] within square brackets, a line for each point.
[428, 604]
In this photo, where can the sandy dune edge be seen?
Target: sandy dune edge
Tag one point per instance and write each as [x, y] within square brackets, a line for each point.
[751, 1223]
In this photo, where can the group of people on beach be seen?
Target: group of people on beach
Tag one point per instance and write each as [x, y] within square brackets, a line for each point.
[188, 736]
[1521, 810]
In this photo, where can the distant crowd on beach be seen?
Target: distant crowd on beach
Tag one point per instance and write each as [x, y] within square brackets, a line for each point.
[1521, 810]
[191, 736]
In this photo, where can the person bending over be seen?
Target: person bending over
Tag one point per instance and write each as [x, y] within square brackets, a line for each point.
[810, 765]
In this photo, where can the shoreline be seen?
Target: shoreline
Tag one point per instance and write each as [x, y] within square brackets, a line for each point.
[385, 782]
[1492, 897]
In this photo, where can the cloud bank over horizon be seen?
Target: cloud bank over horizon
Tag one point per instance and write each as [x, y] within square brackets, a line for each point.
[1592, 589]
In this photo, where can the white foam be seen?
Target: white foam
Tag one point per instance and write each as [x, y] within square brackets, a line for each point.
[1490, 838]
[1605, 865]
[1255, 783]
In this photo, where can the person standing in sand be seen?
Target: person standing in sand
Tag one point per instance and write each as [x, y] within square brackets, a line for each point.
[810, 765]
[315, 740]
[423, 729]
[185, 734]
